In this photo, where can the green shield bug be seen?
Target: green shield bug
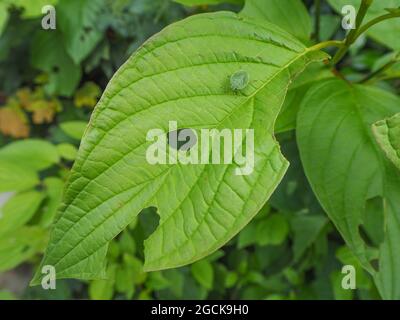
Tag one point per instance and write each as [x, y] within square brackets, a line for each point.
[239, 80]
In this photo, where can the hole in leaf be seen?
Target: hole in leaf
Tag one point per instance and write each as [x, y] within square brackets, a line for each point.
[372, 229]
[182, 139]
[148, 220]
[364, 235]
[55, 69]
[375, 264]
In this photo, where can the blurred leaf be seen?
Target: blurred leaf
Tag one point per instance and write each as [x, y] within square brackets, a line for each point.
[7, 295]
[31, 8]
[44, 111]
[77, 20]
[21, 245]
[103, 289]
[74, 129]
[306, 229]
[231, 279]
[124, 281]
[48, 54]
[273, 230]
[33, 154]
[3, 16]
[14, 177]
[157, 281]
[67, 151]
[54, 192]
[329, 25]
[136, 266]
[290, 15]
[87, 95]
[14, 123]
[127, 243]
[248, 235]
[18, 210]
[203, 272]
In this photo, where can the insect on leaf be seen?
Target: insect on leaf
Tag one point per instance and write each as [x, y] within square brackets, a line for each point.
[181, 74]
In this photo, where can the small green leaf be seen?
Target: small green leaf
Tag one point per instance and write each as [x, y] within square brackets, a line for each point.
[248, 235]
[273, 230]
[13, 177]
[387, 133]
[306, 229]
[54, 191]
[67, 151]
[74, 129]
[31, 153]
[21, 245]
[3, 16]
[127, 243]
[103, 289]
[18, 210]
[204, 274]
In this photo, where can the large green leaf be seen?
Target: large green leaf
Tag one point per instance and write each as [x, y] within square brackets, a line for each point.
[385, 32]
[387, 133]
[290, 15]
[347, 170]
[180, 74]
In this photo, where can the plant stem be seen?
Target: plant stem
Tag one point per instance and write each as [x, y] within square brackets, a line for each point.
[317, 26]
[374, 22]
[381, 69]
[351, 37]
[326, 44]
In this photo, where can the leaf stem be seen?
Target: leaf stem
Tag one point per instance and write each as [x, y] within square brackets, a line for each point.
[351, 37]
[326, 44]
[317, 26]
[375, 21]
[381, 69]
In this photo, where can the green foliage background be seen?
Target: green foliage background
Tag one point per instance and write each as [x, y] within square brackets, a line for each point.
[49, 83]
